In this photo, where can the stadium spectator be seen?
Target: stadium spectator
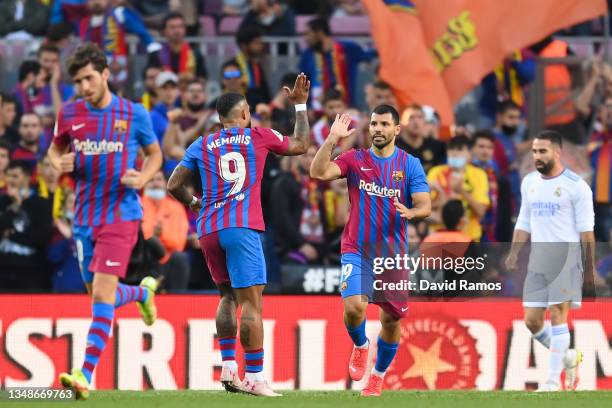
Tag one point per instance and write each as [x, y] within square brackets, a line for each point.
[25, 229]
[272, 16]
[31, 80]
[297, 207]
[51, 186]
[345, 8]
[250, 60]
[414, 139]
[5, 160]
[8, 114]
[333, 104]
[176, 54]
[100, 22]
[29, 149]
[600, 148]
[506, 82]
[149, 97]
[459, 179]
[23, 16]
[62, 252]
[231, 80]
[166, 85]
[154, 11]
[166, 219]
[185, 125]
[54, 91]
[235, 7]
[329, 63]
[379, 93]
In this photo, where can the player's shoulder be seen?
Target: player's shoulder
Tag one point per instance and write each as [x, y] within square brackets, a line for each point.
[571, 177]
[263, 131]
[73, 108]
[531, 177]
[136, 108]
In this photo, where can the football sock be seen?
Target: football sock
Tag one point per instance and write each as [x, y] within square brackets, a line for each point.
[97, 336]
[384, 356]
[254, 364]
[543, 336]
[559, 343]
[127, 293]
[358, 334]
[228, 351]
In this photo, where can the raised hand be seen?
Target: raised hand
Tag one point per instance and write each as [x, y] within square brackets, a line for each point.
[66, 163]
[299, 93]
[340, 126]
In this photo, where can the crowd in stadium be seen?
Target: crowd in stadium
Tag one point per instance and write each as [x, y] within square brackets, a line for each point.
[479, 161]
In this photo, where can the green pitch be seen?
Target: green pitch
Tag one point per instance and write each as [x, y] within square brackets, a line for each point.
[336, 399]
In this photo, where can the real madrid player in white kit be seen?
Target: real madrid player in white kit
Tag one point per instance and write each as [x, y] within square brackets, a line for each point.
[557, 213]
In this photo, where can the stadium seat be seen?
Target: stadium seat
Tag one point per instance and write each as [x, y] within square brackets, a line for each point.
[357, 25]
[207, 26]
[229, 25]
[212, 7]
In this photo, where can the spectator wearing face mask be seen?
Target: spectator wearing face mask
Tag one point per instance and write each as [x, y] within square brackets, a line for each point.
[461, 180]
[166, 219]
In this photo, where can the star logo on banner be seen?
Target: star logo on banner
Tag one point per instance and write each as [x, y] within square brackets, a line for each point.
[428, 364]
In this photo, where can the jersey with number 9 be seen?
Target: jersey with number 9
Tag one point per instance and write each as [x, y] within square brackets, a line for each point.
[231, 163]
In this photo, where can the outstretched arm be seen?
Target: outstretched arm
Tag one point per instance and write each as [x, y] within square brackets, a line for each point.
[322, 167]
[300, 142]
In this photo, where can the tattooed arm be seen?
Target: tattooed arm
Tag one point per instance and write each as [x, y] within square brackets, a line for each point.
[176, 187]
[322, 167]
[301, 132]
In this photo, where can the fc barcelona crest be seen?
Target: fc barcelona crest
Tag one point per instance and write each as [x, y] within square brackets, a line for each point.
[398, 175]
[120, 126]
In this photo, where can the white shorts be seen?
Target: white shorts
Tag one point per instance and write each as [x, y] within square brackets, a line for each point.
[546, 289]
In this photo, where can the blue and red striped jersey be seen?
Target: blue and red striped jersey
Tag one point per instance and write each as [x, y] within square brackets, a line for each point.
[231, 163]
[106, 142]
[374, 226]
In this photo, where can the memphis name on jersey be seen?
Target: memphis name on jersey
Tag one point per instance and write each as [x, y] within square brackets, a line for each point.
[94, 147]
[234, 139]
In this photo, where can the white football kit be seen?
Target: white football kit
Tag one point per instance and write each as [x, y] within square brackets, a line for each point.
[555, 211]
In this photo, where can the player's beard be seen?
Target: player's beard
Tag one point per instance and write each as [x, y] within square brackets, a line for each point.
[546, 167]
[381, 145]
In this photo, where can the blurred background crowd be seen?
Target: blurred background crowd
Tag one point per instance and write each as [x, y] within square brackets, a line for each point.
[177, 57]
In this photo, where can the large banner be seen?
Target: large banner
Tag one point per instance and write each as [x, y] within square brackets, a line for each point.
[453, 345]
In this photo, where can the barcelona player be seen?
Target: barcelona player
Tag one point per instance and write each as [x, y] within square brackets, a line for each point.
[98, 138]
[230, 163]
[387, 187]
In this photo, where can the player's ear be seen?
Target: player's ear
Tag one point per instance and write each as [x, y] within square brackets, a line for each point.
[398, 129]
[106, 74]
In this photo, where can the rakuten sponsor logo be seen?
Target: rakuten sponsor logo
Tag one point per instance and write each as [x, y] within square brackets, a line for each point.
[93, 148]
[380, 191]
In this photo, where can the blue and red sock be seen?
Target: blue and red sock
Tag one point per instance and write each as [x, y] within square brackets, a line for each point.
[127, 293]
[254, 360]
[384, 356]
[99, 330]
[228, 348]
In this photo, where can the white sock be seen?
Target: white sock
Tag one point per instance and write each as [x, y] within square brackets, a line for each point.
[543, 336]
[559, 343]
[231, 364]
[378, 373]
[254, 377]
[364, 345]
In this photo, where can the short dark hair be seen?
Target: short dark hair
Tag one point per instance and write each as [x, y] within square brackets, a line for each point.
[382, 109]
[248, 33]
[229, 63]
[5, 145]
[24, 165]
[452, 212]
[381, 85]
[170, 16]
[8, 98]
[48, 47]
[483, 134]
[459, 142]
[226, 103]
[333, 94]
[506, 106]
[288, 79]
[28, 67]
[88, 53]
[320, 24]
[554, 137]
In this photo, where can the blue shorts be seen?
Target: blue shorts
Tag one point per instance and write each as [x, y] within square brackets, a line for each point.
[357, 278]
[235, 255]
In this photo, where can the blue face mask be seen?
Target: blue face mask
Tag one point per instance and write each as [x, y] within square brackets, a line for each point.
[457, 162]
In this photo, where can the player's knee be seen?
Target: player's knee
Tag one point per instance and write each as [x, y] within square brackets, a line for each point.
[389, 322]
[354, 310]
[534, 323]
